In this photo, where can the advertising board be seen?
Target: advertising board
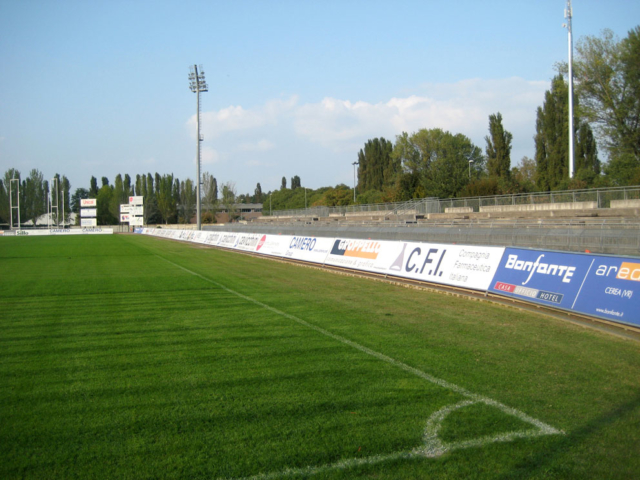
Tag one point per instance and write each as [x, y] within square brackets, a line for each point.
[454, 265]
[309, 249]
[64, 231]
[367, 255]
[136, 210]
[137, 200]
[88, 202]
[212, 238]
[125, 208]
[137, 221]
[88, 222]
[465, 266]
[89, 212]
[228, 240]
[597, 285]
[124, 217]
[273, 245]
[248, 242]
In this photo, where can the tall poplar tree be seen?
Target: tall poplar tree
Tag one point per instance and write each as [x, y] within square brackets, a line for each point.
[552, 140]
[377, 168]
[498, 148]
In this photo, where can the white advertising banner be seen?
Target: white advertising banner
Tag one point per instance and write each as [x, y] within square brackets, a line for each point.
[463, 266]
[124, 217]
[273, 245]
[88, 222]
[309, 249]
[248, 242]
[89, 212]
[454, 265]
[136, 210]
[125, 208]
[228, 240]
[64, 231]
[367, 255]
[88, 202]
[137, 200]
[212, 238]
[137, 221]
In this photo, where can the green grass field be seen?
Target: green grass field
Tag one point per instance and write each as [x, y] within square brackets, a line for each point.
[133, 357]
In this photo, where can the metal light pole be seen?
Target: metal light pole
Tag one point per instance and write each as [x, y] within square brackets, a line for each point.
[470, 162]
[568, 15]
[269, 204]
[198, 84]
[57, 200]
[13, 207]
[354, 180]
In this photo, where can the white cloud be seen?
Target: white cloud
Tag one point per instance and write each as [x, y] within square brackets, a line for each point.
[260, 146]
[237, 118]
[209, 156]
[319, 140]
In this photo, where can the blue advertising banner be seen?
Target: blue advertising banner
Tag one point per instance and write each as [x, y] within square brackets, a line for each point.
[605, 287]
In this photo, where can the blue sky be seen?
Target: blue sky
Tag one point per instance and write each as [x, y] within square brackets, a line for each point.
[295, 87]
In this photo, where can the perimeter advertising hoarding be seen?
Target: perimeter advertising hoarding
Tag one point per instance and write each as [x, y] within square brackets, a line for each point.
[65, 231]
[454, 265]
[309, 249]
[273, 245]
[601, 286]
[248, 242]
[88, 202]
[228, 240]
[212, 238]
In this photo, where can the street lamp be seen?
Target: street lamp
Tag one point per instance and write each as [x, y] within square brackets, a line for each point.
[354, 180]
[198, 84]
[470, 162]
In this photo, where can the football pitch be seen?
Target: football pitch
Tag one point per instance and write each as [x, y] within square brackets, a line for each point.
[127, 356]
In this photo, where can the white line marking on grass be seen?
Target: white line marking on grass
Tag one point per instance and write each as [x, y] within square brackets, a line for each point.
[433, 446]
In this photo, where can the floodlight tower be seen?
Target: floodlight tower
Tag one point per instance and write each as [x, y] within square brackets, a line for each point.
[13, 207]
[198, 84]
[55, 200]
[354, 180]
[568, 15]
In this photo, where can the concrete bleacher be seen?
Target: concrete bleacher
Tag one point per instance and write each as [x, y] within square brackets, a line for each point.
[625, 204]
[540, 207]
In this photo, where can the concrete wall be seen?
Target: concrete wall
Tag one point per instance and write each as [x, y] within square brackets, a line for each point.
[540, 207]
[458, 210]
[625, 203]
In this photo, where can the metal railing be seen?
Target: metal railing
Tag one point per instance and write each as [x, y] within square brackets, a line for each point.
[601, 196]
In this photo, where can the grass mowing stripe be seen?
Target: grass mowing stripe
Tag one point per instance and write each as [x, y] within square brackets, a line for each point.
[433, 446]
[173, 377]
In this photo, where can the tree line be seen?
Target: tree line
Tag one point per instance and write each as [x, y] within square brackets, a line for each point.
[34, 195]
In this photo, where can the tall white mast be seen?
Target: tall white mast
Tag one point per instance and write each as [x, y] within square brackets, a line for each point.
[568, 15]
